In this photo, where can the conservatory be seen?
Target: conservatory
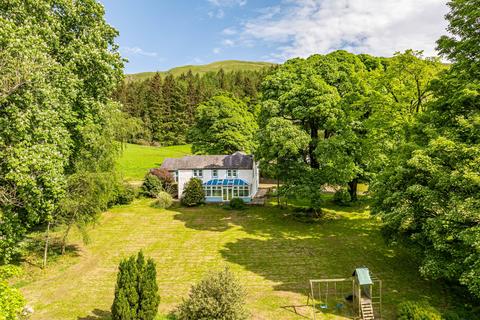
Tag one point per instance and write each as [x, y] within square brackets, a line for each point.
[219, 190]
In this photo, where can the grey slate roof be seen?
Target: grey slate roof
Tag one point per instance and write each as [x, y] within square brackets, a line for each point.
[238, 160]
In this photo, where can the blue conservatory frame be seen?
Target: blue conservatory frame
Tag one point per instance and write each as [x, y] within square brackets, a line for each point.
[222, 190]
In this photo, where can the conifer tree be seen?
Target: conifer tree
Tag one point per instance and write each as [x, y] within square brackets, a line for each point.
[125, 303]
[193, 194]
[136, 291]
[148, 291]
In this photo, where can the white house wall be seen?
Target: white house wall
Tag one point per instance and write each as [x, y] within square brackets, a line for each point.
[249, 176]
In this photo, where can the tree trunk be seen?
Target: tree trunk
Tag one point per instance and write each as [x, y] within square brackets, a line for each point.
[64, 240]
[313, 145]
[278, 190]
[352, 189]
[45, 252]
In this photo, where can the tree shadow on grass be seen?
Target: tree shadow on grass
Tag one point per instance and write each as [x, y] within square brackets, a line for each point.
[97, 314]
[217, 218]
[35, 246]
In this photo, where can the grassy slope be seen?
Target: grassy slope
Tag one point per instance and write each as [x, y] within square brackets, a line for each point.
[273, 255]
[136, 160]
[227, 65]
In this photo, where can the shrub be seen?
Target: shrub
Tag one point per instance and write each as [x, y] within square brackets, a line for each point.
[136, 291]
[125, 194]
[11, 299]
[218, 296]
[151, 185]
[173, 190]
[342, 197]
[193, 194]
[164, 200]
[237, 204]
[411, 310]
[167, 180]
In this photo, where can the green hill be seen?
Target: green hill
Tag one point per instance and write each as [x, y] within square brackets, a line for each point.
[227, 65]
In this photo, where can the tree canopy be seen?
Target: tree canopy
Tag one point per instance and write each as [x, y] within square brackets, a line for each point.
[223, 125]
[428, 196]
[59, 67]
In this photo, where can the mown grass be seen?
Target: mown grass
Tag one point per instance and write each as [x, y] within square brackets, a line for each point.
[135, 160]
[271, 251]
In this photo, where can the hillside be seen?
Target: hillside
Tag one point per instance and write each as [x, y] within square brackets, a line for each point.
[227, 65]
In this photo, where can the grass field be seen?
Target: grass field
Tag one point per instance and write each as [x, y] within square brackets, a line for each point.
[273, 254]
[136, 160]
[226, 65]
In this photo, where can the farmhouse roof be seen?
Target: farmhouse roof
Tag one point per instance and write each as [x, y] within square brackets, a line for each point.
[238, 160]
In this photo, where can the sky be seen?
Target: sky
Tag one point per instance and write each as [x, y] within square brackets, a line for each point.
[156, 35]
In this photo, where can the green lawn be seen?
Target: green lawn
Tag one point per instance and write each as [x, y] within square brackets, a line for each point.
[273, 254]
[136, 160]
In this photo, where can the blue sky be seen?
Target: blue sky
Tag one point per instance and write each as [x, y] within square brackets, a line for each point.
[161, 34]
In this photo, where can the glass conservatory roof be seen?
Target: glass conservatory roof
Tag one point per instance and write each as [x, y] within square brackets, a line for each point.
[226, 182]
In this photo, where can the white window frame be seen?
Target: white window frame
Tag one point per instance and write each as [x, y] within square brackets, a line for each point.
[197, 173]
[214, 173]
[232, 173]
[175, 175]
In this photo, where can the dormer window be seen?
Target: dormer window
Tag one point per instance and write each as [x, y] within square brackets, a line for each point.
[215, 173]
[197, 173]
[232, 173]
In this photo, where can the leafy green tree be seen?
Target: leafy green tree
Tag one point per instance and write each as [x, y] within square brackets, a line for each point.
[193, 194]
[217, 296]
[223, 125]
[326, 98]
[56, 111]
[428, 197]
[152, 185]
[136, 291]
[87, 195]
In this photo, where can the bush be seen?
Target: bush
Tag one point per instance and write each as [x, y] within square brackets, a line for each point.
[136, 291]
[193, 194]
[237, 204]
[164, 200]
[411, 310]
[125, 194]
[167, 180]
[151, 185]
[173, 190]
[342, 197]
[11, 299]
[218, 296]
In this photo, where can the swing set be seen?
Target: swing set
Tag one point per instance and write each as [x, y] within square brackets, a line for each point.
[347, 297]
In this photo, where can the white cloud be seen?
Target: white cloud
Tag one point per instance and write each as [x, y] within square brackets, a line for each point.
[219, 14]
[216, 50]
[378, 27]
[228, 3]
[228, 43]
[229, 31]
[137, 51]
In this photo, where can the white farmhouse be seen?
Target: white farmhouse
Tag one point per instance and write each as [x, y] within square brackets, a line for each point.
[224, 176]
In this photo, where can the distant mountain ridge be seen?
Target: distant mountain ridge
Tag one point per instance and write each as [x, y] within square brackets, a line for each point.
[226, 65]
